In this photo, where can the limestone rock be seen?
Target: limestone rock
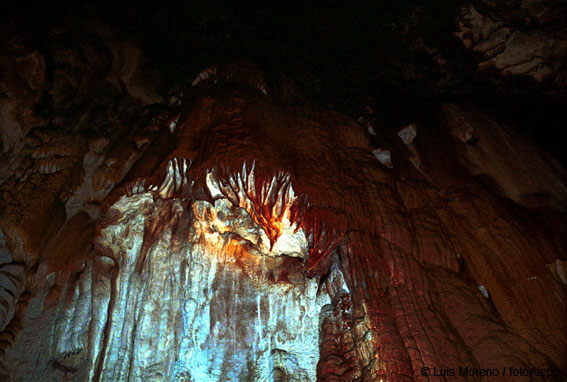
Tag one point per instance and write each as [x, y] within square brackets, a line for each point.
[259, 238]
[524, 38]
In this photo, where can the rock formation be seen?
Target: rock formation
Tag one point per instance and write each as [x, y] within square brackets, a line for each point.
[518, 38]
[230, 231]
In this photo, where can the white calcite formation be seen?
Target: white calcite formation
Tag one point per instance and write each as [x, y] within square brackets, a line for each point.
[203, 299]
[408, 134]
[384, 157]
[235, 326]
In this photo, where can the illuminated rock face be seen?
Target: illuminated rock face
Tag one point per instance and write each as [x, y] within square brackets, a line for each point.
[252, 239]
[208, 300]
[201, 306]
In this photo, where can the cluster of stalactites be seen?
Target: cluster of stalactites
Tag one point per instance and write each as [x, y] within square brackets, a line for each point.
[269, 200]
[273, 205]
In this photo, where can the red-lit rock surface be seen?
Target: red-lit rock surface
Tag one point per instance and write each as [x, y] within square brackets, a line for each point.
[455, 257]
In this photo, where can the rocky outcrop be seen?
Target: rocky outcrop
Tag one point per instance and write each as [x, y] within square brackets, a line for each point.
[234, 234]
[518, 38]
[486, 149]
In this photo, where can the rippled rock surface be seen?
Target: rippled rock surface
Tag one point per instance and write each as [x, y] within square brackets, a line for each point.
[232, 232]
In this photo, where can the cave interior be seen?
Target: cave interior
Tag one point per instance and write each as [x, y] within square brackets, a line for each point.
[343, 191]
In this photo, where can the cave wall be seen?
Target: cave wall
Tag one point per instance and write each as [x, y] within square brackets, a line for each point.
[311, 245]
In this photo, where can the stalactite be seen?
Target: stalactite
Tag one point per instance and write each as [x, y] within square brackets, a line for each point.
[231, 235]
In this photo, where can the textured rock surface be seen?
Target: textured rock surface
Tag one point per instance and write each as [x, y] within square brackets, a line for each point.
[518, 38]
[487, 148]
[234, 233]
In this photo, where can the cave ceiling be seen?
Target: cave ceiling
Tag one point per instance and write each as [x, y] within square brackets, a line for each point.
[329, 191]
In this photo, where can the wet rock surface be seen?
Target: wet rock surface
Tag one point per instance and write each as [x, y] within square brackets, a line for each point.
[229, 230]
